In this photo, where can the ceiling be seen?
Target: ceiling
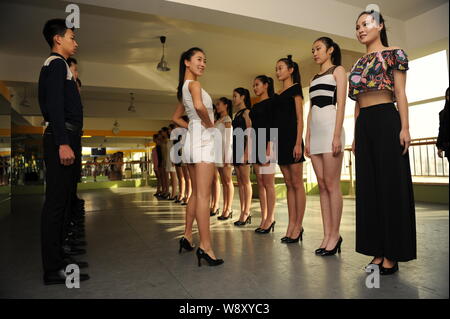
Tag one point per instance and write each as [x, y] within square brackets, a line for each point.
[123, 38]
[399, 9]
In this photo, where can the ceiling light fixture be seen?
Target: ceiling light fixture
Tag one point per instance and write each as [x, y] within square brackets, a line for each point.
[162, 65]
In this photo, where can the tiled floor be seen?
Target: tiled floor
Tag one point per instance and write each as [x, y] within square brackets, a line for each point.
[133, 253]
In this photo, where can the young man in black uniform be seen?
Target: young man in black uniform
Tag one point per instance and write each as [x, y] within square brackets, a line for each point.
[61, 107]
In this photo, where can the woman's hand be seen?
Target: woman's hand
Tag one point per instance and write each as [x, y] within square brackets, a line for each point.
[440, 153]
[405, 140]
[307, 149]
[297, 152]
[336, 145]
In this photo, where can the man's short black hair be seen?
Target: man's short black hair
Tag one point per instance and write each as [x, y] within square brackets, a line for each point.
[53, 27]
[71, 61]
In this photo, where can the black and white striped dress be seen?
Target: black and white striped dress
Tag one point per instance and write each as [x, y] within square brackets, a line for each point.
[322, 93]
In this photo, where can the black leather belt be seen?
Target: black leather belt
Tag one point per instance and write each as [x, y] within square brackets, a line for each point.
[69, 127]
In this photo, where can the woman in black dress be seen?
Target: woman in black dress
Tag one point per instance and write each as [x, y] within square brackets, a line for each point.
[288, 118]
[241, 121]
[260, 115]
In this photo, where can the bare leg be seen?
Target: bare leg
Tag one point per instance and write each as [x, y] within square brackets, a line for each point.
[290, 200]
[262, 195]
[332, 176]
[246, 200]
[181, 182]
[318, 165]
[190, 208]
[187, 179]
[173, 180]
[204, 174]
[269, 185]
[296, 171]
[241, 190]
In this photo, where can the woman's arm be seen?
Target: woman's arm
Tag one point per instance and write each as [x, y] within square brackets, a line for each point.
[196, 91]
[177, 116]
[402, 104]
[248, 125]
[341, 89]
[297, 152]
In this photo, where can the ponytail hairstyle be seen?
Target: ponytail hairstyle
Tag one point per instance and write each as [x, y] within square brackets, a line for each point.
[378, 19]
[229, 105]
[185, 56]
[336, 57]
[296, 73]
[269, 81]
[247, 101]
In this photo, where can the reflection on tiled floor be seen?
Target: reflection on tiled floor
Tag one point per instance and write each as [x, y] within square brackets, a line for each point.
[133, 253]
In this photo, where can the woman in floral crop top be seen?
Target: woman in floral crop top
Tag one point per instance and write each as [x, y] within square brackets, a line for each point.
[385, 213]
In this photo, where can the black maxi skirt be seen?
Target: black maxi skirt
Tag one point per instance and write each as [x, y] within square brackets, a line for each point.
[385, 212]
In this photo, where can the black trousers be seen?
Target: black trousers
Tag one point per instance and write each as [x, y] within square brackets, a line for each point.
[60, 181]
[385, 212]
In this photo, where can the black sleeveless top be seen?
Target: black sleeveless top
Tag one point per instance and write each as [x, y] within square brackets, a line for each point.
[261, 117]
[285, 119]
[238, 122]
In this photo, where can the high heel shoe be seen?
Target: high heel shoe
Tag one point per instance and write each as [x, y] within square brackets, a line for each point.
[319, 251]
[202, 254]
[388, 271]
[230, 215]
[184, 243]
[266, 231]
[247, 221]
[332, 252]
[295, 240]
[213, 213]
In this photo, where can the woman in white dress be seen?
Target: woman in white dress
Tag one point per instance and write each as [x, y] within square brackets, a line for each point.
[325, 138]
[198, 150]
[224, 109]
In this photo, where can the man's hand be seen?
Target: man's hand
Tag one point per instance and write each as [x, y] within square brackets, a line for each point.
[66, 155]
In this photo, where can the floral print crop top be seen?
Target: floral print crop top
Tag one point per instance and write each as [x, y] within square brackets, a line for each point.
[375, 71]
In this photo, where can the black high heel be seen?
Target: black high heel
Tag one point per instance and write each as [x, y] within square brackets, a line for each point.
[184, 243]
[266, 231]
[295, 240]
[388, 271]
[214, 213]
[211, 262]
[332, 252]
[230, 215]
[319, 251]
[247, 221]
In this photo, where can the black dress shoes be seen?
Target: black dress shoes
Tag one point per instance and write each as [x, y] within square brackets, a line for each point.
[59, 277]
[388, 271]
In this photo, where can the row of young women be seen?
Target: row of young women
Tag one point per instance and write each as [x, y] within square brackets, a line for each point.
[170, 176]
[385, 213]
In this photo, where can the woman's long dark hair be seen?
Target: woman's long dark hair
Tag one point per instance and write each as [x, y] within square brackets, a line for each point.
[269, 81]
[247, 101]
[296, 73]
[229, 105]
[336, 57]
[379, 19]
[185, 56]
